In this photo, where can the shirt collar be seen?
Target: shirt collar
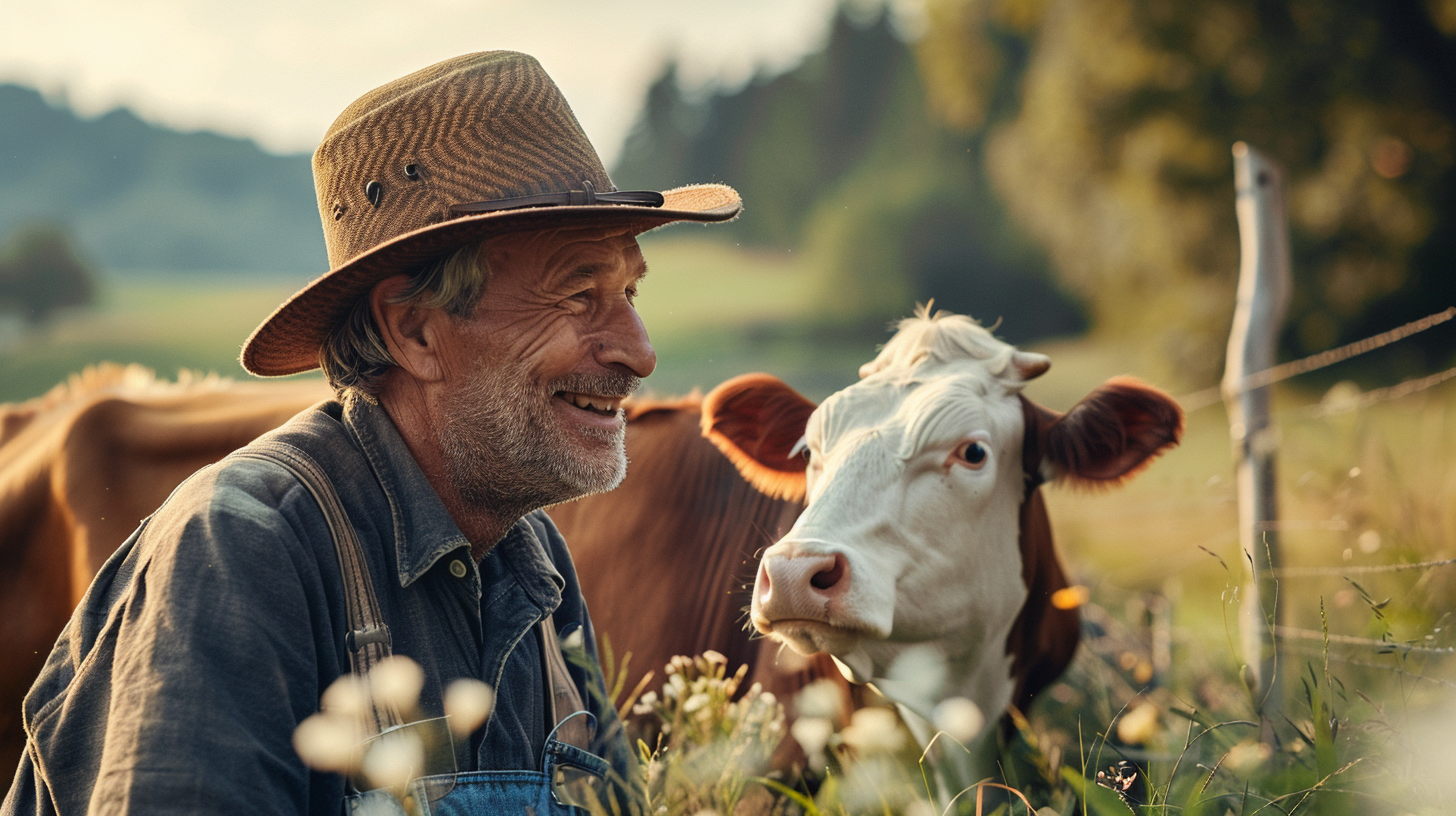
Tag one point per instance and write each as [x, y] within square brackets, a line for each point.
[424, 531]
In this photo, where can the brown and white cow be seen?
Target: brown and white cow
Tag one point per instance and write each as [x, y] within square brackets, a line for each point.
[922, 507]
[666, 560]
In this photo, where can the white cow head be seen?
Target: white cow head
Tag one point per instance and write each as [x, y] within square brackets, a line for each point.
[920, 479]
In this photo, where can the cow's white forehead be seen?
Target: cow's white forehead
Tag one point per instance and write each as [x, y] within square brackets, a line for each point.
[914, 413]
[936, 379]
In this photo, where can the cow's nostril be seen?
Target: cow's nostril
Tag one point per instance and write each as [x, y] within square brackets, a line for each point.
[826, 579]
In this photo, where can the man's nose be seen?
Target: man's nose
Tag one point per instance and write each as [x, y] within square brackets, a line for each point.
[623, 342]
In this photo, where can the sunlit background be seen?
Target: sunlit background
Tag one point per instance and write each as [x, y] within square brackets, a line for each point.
[1061, 168]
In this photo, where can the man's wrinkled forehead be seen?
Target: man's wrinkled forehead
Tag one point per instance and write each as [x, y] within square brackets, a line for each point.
[564, 250]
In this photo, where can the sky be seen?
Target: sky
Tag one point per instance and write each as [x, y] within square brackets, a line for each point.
[279, 71]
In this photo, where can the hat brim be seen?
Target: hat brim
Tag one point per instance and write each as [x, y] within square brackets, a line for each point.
[288, 341]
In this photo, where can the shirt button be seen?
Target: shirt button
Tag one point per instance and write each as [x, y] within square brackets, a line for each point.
[457, 568]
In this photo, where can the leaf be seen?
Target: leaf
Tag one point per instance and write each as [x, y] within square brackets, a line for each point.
[797, 797]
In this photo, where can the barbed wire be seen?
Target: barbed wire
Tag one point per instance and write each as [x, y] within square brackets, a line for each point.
[1369, 398]
[1293, 633]
[1305, 572]
[1355, 661]
[1260, 379]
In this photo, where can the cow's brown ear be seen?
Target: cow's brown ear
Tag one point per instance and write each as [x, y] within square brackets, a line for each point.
[1109, 436]
[755, 420]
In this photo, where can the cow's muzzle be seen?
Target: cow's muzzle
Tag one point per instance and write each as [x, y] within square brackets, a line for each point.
[799, 597]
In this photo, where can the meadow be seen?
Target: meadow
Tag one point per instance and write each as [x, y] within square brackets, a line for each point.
[1370, 697]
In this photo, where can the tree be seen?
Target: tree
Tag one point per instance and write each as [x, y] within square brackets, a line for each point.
[40, 274]
[842, 158]
[1108, 127]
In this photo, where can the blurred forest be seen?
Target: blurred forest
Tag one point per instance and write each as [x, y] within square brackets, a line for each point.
[1108, 126]
[843, 159]
[1097, 133]
[1056, 165]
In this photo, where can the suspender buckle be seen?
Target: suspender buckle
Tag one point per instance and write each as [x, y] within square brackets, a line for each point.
[357, 639]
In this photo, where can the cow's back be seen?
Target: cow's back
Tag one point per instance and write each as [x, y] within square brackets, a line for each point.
[80, 468]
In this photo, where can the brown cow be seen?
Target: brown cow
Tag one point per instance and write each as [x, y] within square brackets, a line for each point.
[667, 560]
[79, 468]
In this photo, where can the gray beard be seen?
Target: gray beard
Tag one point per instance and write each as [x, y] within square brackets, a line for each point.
[505, 452]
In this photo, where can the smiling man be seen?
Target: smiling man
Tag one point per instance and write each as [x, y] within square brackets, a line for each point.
[478, 327]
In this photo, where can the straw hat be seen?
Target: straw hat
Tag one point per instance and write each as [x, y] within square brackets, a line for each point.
[472, 147]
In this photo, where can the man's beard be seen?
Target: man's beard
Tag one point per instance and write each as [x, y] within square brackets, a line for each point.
[506, 450]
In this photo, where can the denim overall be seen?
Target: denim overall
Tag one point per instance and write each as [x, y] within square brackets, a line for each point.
[570, 776]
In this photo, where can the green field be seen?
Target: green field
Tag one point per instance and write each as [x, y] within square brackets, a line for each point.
[712, 312]
[1358, 489]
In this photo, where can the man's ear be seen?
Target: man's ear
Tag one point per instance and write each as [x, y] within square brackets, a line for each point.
[755, 420]
[411, 334]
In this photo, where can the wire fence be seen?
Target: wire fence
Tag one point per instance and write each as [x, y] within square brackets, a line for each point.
[1208, 397]
[1338, 402]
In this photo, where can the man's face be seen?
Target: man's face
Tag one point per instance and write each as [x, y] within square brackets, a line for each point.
[530, 414]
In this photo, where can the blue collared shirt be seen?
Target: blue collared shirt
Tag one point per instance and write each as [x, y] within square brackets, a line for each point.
[211, 633]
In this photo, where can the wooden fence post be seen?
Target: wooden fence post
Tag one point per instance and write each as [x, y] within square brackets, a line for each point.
[1263, 299]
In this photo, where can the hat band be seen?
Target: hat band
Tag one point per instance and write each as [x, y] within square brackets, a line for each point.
[576, 198]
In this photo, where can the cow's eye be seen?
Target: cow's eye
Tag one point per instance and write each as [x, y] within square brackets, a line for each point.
[800, 448]
[971, 454]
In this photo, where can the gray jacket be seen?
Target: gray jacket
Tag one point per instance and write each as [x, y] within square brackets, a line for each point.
[212, 631]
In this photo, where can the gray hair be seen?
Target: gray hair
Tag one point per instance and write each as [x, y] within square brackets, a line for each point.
[355, 357]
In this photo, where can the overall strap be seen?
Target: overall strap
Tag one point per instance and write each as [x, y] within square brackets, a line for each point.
[367, 638]
[562, 698]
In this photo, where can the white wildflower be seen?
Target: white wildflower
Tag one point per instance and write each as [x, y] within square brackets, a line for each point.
[1140, 725]
[646, 703]
[916, 677]
[346, 696]
[1249, 755]
[959, 718]
[874, 729]
[467, 703]
[330, 741]
[574, 642]
[695, 702]
[920, 807]
[812, 734]
[396, 681]
[821, 698]
[394, 759]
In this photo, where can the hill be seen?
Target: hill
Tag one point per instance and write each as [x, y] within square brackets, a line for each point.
[141, 197]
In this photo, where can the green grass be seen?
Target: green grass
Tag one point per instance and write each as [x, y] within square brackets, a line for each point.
[1364, 488]
[712, 311]
[164, 322]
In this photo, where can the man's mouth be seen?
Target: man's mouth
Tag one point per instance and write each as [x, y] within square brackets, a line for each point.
[602, 406]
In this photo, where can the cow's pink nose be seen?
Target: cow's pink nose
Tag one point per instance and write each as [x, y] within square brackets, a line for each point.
[827, 579]
[798, 586]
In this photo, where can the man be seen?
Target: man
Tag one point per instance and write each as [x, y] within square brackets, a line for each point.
[477, 324]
